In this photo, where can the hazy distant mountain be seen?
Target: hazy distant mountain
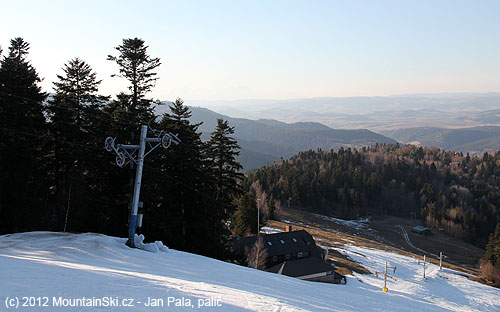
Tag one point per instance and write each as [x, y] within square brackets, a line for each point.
[407, 135]
[272, 129]
[373, 113]
[474, 140]
[266, 140]
[491, 144]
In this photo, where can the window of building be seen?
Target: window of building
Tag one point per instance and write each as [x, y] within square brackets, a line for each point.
[287, 256]
[282, 242]
[294, 240]
[269, 243]
[299, 254]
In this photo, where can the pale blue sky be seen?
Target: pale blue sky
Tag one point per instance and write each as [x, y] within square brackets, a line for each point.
[225, 50]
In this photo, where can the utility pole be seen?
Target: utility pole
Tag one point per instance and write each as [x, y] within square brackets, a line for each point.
[441, 256]
[385, 279]
[424, 265]
[136, 153]
[385, 276]
[258, 220]
[258, 216]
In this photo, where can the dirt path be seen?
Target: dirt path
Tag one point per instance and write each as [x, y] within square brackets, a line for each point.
[385, 234]
[407, 239]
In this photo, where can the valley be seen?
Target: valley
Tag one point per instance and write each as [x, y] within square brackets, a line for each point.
[381, 234]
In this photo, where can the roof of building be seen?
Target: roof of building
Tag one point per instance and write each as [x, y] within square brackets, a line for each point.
[419, 228]
[301, 267]
[281, 243]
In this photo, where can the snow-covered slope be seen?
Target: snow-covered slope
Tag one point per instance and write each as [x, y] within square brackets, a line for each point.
[55, 268]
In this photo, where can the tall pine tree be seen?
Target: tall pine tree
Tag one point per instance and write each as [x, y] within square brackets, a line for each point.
[492, 253]
[223, 150]
[244, 220]
[185, 212]
[138, 67]
[22, 124]
[75, 119]
[490, 264]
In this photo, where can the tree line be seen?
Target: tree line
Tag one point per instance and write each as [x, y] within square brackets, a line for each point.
[56, 175]
[447, 190]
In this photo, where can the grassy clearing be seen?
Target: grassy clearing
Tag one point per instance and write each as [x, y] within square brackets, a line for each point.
[380, 234]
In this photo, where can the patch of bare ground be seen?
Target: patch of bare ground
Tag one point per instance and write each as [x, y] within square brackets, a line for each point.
[344, 265]
[459, 253]
[382, 234]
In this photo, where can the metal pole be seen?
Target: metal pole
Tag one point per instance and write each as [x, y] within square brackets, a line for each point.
[137, 187]
[385, 276]
[137, 156]
[67, 210]
[440, 260]
[258, 219]
[424, 266]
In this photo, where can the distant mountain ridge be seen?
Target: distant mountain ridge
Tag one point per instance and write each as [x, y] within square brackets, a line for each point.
[375, 113]
[264, 141]
[474, 140]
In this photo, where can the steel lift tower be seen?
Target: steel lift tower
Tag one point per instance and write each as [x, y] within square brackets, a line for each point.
[126, 154]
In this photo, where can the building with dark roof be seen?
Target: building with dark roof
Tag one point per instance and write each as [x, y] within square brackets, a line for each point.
[421, 230]
[282, 246]
[291, 253]
[310, 268]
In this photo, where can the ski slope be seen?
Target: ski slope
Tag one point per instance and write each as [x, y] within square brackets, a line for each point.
[45, 270]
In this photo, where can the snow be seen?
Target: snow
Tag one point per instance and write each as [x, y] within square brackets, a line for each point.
[152, 247]
[269, 230]
[360, 224]
[446, 288]
[62, 266]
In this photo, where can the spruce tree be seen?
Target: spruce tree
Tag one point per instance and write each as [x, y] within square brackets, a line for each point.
[22, 124]
[184, 212]
[138, 67]
[222, 152]
[492, 253]
[271, 208]
[490, 264]
[244, 220]
[75, 121]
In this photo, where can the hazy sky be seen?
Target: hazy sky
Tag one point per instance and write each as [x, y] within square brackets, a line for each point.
[271, 49]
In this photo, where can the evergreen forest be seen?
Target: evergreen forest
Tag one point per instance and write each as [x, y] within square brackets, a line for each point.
[57, 176]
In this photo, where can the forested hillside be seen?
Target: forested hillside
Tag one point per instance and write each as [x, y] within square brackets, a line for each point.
[448, 190]
[265, 141]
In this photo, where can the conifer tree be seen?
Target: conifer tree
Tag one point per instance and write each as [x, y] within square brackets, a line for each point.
[138, 67]
[22, 98]
[184, 212]
[245, 219]
[22, 196]
[490, 264]
[222, 152]
[75, 117]
[492, 253]
[271, 208]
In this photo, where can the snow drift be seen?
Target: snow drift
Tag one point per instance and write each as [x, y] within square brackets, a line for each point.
[91, 267]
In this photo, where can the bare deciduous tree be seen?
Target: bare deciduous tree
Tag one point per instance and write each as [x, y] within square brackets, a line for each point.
[257, 255]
